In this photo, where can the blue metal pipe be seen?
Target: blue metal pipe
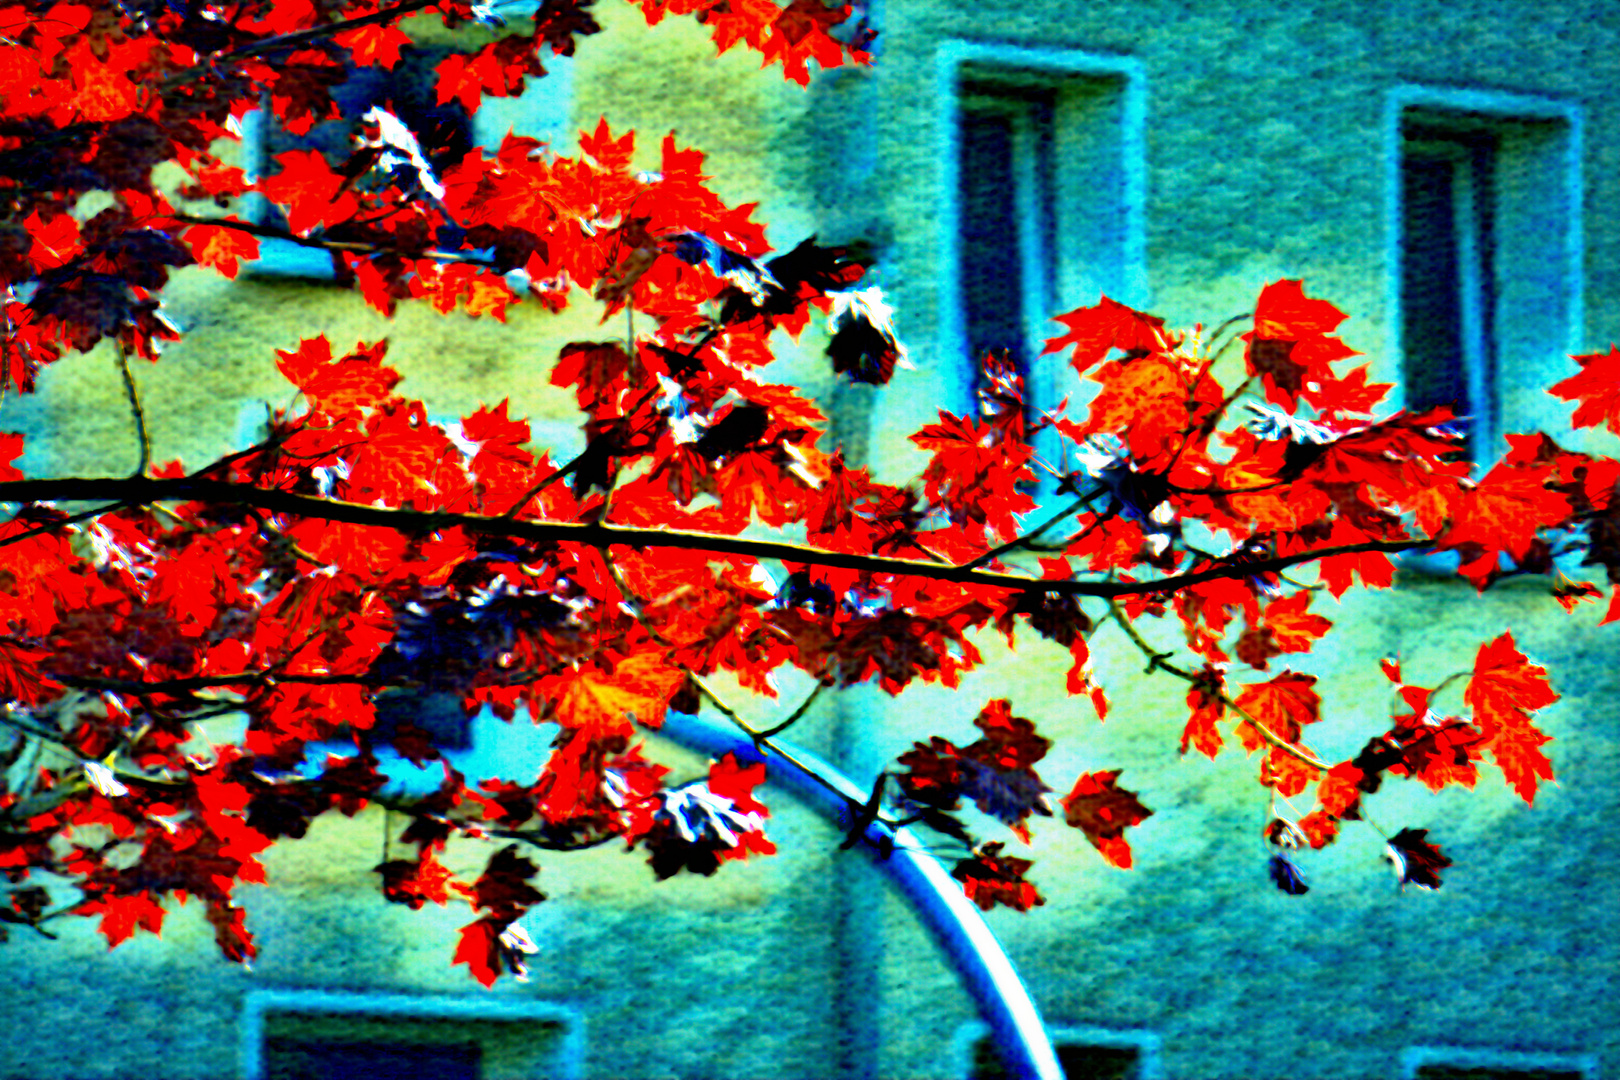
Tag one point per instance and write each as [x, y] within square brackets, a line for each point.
[955, 922]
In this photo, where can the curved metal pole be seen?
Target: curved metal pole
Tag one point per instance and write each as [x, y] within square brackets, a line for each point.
[955, 922]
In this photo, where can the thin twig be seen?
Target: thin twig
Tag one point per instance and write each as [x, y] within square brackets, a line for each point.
[1021, 541]
[358, 247]
[1159, 660]
[797, 714]
[134, 397]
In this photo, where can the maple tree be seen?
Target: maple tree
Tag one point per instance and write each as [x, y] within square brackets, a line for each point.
[361, 552]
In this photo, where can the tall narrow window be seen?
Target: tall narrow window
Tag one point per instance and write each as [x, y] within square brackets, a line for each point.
[1485, 196]
[1079, 1061]
[1459, 1063]
[1006, 205]
[1448, 277]
[1043, 202]
[1083, 1053]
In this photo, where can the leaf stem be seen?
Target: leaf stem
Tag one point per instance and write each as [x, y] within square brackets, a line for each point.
[134, 398]
[1158, 660]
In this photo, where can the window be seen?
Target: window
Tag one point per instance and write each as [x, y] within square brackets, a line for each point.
[439, 713]
[1447, 281]
[319, 1035]
[1085, 1053]
[1042, 198]
[1486, 272]
[1455, 1063]
[409, 91]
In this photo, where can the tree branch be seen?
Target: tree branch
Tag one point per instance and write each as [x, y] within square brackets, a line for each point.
[360, 247]
[295, 39]
[134, 396]
[145, 490]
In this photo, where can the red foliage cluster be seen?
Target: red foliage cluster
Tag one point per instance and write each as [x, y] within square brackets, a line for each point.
[361, 551]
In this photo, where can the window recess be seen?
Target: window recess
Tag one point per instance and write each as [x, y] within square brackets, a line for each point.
[1486, 265]
[1041, 191]
[1084, 1053]
[328, 1035]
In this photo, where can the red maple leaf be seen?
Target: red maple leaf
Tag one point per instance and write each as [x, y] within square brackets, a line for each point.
[313, 194]
[1597, 387]
[990, 878]
[1503, 513]
[1320, 828]
[1103, 812]
[1287, 627]
[1204, 699]
[1096, 331]
[55, 240]
[1289, 346]
[1504, 690]
[414, 883]
[120, 915]
[221, 248]
[375, 44]
[479, 949]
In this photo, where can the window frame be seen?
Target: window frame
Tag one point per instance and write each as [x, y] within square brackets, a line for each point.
[1459, 111]
[1415, 1058]
[567, 1063]
[962, 68]
[1147, 1044]
[543, 111]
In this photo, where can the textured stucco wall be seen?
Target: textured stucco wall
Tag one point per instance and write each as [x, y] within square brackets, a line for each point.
[1264, 161]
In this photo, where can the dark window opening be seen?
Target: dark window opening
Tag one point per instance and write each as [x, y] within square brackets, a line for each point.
[1005, 195]
[1448, 293]
[290, 1058]
[1490, 1072]
[439, 713]
[1079, 1061]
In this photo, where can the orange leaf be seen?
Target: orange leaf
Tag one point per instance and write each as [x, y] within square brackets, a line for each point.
[1283, 705]
[1506, 687]
[1292, 628]
[610, 703]
[1517, 751]
[1284, 772]
[1320, 827]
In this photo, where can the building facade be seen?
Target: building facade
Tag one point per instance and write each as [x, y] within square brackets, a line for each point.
[1447, 172]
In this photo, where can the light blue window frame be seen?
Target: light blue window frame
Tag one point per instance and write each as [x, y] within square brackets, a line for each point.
[567, 1063]
[1414, 1058]
[542, 112]
[1537, 231]
[1101, 123]
[1149, 1063]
